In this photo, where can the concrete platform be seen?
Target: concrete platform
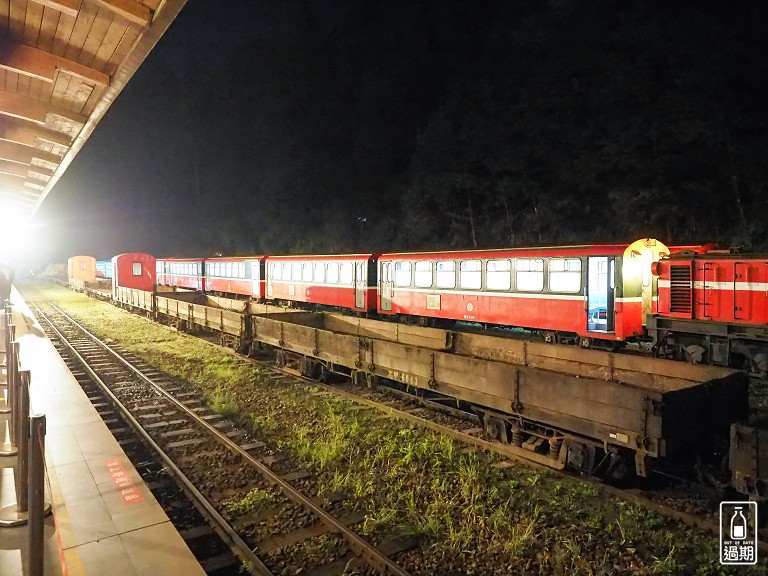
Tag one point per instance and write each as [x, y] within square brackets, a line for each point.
[105, 521]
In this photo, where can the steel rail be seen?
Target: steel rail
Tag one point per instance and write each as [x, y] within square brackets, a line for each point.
[362, 548]
[222, 527]
[634, 498]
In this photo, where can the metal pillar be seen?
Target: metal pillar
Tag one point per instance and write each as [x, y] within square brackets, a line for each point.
[5, 405]
[37, 503]
[16, 514]
[22, 434]
[13, 390]
[11, 369]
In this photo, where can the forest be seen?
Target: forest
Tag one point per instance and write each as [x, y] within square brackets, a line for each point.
[372, 126]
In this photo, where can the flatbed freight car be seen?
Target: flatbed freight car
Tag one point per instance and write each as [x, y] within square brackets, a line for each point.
[596, 424]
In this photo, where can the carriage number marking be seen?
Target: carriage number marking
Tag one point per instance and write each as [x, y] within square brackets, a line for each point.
[403, 377]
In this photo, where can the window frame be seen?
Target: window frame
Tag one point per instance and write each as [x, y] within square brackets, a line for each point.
[565, 271]
[438, 285]
[400, 267]
[335, 274]
[518, 271]
[479, 273]
[508, 272]
[346, 273]
[416, 272]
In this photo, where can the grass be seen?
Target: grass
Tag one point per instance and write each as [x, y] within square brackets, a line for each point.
[254, 501]
[414, 481]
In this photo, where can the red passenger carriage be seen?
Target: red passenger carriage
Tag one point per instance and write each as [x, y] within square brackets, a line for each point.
[134, 270]
[242, 275]
[184, 273]
[591, 292]
[347, 281]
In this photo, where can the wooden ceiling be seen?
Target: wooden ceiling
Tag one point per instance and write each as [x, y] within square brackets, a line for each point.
[62, 64]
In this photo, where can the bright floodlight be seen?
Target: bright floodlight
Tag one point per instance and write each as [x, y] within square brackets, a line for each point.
[16, 238]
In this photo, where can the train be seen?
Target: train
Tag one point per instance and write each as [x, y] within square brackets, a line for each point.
[589, 294]
[695, 303]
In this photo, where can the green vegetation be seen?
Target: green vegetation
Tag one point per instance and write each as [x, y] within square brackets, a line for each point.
[254, 501]
[509, 520]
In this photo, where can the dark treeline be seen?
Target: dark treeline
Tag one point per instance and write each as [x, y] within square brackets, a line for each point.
[339, 126]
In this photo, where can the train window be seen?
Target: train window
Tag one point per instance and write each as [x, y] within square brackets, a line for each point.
[241, 269]
[565, 275]
[646, 259]
[83, 266]
[470, 275]
[333, 272]
[296, 271]
[446, 274]
[275, 271]
[306, 272]
[318, 275]
[498, 275]
[286, 270]
[402, 273]
[137, 268]
[346, 273]
[529, 275]
[422, 274]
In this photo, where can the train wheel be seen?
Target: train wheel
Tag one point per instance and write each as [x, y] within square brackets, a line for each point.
[550, 337]
[585, 342]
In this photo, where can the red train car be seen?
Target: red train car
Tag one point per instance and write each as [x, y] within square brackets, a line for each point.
[240, 275]
[347, 281]
[588, 293]
[81, 269]
[713, 308]
[134, 270]
[184, 273]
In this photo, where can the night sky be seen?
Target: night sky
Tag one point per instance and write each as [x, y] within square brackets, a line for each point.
[277, 126]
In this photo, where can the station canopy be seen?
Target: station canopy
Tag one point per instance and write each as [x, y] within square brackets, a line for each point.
[62, 64]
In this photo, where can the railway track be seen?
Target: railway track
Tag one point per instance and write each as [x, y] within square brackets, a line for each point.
[465, 428]
[255, 499]
[469, 432]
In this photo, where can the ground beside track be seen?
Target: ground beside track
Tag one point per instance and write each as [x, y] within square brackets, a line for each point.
[474, 517]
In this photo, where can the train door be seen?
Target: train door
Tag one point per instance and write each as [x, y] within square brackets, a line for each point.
[360, 283]
[255, 279]
[600, 295]
[385, 286]
[647, 287]
[270, 272]
[742, 293]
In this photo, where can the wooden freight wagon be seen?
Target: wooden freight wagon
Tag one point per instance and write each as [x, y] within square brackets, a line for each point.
[607, 418]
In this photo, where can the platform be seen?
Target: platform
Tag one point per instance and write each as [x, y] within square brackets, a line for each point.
[105, 521]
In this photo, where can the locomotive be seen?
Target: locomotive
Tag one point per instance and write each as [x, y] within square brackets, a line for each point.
[713, 309]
